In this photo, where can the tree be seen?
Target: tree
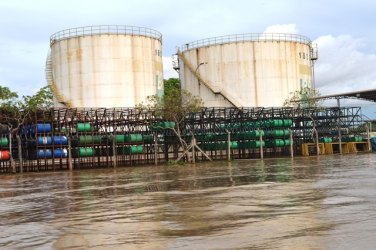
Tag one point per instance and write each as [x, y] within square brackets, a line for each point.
[175, 105]
[7, 100]
[304, 98]
[171, 84]
[43, 99]
[6, 94]
[15, 112]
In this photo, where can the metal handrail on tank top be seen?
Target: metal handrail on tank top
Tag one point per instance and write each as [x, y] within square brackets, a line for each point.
[104, 29]
[252, 37]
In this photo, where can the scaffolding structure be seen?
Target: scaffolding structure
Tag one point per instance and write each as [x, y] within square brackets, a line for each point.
[60, 139]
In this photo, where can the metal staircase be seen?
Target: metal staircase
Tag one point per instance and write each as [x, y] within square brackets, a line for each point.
[215, 89]
[50, 81]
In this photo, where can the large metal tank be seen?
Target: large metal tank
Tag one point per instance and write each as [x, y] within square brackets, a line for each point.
[247, 70]
[105, 66]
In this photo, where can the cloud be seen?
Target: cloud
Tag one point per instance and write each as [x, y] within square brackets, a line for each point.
[282, 28]
[344, 63]
[279, 31]
[342, 66]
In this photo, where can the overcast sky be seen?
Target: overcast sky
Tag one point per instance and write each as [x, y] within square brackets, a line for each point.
[343, 29]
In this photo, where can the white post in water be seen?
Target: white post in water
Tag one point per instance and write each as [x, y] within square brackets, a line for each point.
[339, 125]
[368, 139]
[114, 151]
[317, 141]
[193, 149]
[228, 146]
[20, 157]
[155, 149]
[12, 162]
[261, 147]
[291, 144]
[70, 153]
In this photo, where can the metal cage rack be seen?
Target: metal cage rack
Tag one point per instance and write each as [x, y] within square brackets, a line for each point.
[60, 139]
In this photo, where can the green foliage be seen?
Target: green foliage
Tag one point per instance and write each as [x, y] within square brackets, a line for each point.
[9, 103]
[304, 98]
[171, 85]
[6, 94]
[172, 163]
[43, 99]
[15, 111]
[362, 127]
[175, 104]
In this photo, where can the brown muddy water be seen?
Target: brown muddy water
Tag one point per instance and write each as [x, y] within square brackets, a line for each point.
[304, 203]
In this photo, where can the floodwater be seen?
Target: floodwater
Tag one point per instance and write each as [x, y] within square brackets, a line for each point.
[326, 202]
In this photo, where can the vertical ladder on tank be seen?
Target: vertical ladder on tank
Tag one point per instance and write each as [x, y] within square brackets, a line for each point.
[50, 81]
[175, 62]
[314, 52]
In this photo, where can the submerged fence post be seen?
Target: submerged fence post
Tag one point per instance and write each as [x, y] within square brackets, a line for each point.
[114, 156]
[368, 138]
[193, 149]
[228, 146]
[70, 154]
[339, 125]
[155, 149]
[291, 144]
[317, 141]
[261, 147]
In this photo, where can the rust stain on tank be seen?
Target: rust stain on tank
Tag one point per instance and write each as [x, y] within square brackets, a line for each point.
[95, 70]
[254, 73]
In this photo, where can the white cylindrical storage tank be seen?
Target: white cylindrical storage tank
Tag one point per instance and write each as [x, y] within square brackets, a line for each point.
[247, 70]
[105, 66]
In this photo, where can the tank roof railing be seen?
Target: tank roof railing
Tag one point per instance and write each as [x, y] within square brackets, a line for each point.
[252, 37]
[105, 29]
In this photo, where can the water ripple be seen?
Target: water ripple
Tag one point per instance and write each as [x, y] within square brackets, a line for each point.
[305, 203]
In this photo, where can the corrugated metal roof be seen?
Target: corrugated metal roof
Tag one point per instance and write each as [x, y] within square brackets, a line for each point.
[368, 95]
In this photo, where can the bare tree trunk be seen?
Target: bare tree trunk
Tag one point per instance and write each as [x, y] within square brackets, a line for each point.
[70, 153]
[12, 162]
[20, 152]
[182, 142]
[178, 134]
[155, 149]
[114, 158]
